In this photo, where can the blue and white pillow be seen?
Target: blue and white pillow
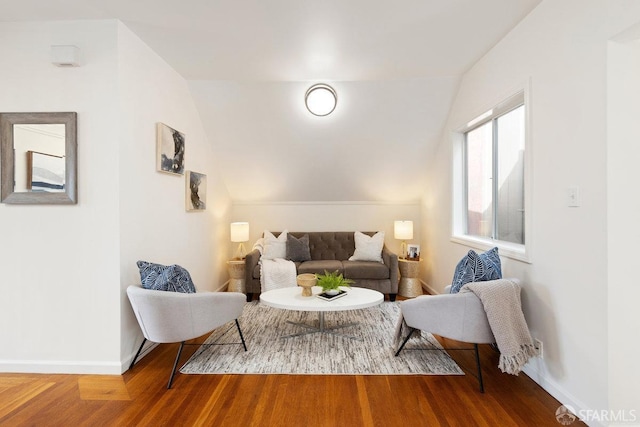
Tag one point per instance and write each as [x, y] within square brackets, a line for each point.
[171, 278]
[476, 267]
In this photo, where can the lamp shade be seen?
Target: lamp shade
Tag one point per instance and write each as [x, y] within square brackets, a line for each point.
[239, 231]
[403, 230]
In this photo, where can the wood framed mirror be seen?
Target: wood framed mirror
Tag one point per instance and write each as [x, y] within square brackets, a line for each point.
[38, 156]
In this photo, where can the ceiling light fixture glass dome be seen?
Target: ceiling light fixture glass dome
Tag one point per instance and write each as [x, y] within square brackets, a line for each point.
[321, 99]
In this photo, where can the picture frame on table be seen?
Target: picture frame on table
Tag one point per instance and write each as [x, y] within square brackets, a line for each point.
[413, 252]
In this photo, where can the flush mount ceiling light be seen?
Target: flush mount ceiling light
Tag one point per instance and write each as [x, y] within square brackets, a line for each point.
[321, 99]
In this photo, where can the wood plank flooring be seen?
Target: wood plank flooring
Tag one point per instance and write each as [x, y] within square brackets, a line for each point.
[139, 397]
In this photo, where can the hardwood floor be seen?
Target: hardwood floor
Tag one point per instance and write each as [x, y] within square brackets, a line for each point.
[139, 398]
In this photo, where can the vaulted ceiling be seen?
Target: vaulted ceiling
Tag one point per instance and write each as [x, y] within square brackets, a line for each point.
[395, 66]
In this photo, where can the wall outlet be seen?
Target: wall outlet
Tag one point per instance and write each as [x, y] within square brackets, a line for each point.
[538, 344]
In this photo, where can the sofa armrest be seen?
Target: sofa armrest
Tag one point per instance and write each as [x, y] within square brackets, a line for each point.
[250, 262]
[391, 260]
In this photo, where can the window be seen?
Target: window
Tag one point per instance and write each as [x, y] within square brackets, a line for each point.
[491, 186]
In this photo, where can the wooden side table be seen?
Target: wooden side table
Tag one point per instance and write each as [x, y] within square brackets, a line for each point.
[236, 276]
[409, 285]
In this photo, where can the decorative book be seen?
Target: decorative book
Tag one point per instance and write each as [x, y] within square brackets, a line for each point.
[328, 297]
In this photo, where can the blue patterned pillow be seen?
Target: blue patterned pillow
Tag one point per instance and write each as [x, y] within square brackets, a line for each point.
[493, 268]
[476, 268]
[165, 278]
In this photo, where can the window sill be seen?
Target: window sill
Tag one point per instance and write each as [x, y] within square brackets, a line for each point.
[506, 249]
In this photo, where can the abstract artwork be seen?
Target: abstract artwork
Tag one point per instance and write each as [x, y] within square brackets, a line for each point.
[170, 150]
[196, 194]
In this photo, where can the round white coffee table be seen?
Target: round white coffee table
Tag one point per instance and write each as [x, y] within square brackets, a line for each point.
[292, 299]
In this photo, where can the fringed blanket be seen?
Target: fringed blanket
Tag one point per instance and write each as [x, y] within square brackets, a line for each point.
[501, 301]
[277, 273]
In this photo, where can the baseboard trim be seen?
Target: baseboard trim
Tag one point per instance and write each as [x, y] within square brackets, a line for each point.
[429, 289]
[533, 371]
[222, 288]
[124, 365]
[59, 367]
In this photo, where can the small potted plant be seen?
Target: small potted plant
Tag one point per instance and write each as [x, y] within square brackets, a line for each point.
[331, 282]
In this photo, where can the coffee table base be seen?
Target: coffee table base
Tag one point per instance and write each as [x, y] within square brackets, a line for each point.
[321, 328]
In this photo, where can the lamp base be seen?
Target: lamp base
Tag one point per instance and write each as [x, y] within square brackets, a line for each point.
[241, 253]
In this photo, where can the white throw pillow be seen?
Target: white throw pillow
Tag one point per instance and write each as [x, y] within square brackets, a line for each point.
[275, 247]
[368, 248]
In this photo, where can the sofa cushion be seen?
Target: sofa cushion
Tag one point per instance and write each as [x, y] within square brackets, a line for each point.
[298, 249]
[368, 248]
[320, 266]
[274, 247]
[365, 270]
[165, 278]
[331, 245]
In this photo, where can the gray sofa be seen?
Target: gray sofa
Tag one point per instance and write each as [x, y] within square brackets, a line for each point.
[330, 251]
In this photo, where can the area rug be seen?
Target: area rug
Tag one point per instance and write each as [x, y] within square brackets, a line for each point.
[319, 353]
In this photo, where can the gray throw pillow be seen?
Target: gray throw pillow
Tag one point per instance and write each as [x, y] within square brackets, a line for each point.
[298, 249]
[165, 278]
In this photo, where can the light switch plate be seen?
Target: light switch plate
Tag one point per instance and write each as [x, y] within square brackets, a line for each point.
[573, 197]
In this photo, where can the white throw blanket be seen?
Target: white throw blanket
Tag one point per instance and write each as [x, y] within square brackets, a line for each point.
[277, 273]
[501, 301]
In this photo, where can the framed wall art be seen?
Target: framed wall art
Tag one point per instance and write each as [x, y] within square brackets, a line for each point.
[196, 191]
[413, 252]
[170, 150]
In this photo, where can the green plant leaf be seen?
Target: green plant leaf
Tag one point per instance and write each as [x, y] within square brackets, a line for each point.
[334, 280]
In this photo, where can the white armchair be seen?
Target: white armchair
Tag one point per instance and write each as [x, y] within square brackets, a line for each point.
[459, 316]
[168, 317]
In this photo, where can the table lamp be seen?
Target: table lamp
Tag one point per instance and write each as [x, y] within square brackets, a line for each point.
[240, 234]
[403, 230]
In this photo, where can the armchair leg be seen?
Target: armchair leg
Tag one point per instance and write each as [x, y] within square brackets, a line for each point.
[411, 331]
[475, 347]
[137, 354]
[392, 297]
[479, 368]
[175, 364]
[241, 337]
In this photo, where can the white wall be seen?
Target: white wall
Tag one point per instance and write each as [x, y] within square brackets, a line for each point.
[561, 47]
[154, 225]
[623, 212]
[60, 264]
[65, 268]
[370, 148]
[348, 216]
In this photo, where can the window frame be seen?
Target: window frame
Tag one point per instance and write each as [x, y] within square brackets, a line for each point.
[521, 252]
